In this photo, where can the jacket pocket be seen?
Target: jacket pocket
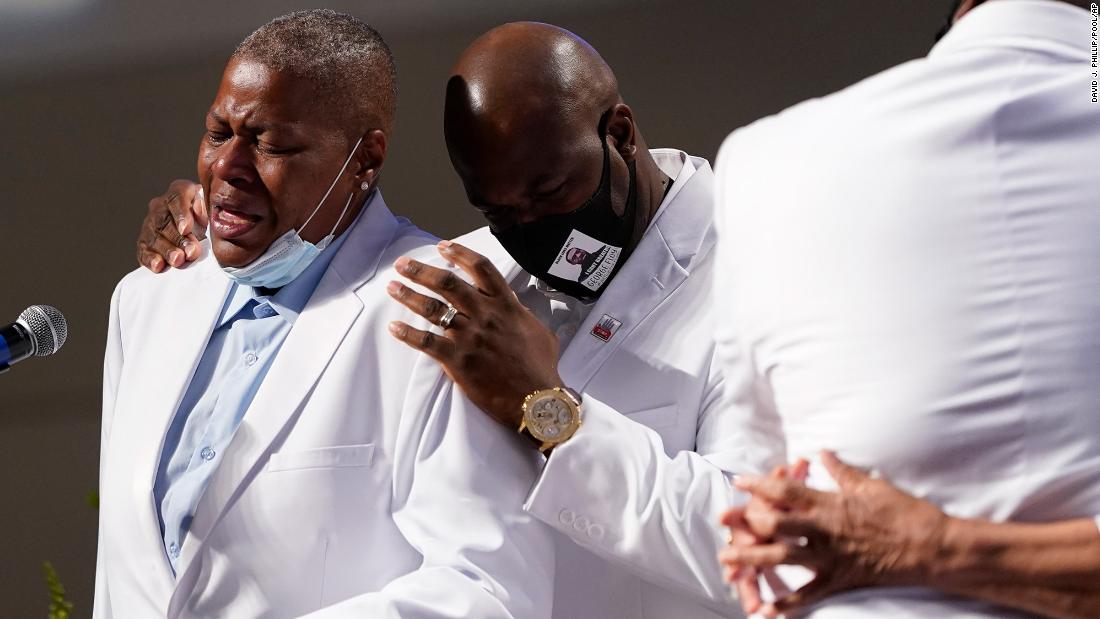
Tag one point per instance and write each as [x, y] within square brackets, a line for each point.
[343, 456]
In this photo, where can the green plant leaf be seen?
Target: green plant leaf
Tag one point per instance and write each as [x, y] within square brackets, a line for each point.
[60, 606]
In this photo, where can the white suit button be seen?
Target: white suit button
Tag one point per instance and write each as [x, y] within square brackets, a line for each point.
[595, 532]
[580, 524]
[566, 516]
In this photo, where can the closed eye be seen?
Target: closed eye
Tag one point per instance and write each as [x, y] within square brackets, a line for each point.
[269, 149]
[499, 217]
[550, 193]
[216, 137]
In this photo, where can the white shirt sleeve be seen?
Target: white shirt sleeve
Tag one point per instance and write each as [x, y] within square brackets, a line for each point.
[614, 490]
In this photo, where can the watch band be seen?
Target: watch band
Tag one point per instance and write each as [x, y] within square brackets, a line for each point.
[573, 395]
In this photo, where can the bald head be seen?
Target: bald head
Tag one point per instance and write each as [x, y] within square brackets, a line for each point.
[531, 110]
[520, 70]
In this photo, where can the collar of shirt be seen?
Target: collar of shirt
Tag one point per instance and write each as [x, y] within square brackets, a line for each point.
[678, 167]
[1042, 25]
[291, 299]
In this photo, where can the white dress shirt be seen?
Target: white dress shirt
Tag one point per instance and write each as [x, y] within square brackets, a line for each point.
[909, 273]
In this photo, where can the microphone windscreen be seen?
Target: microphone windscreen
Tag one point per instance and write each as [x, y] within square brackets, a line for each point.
[47, 326]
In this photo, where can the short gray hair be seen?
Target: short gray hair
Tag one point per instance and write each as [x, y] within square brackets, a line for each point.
[348, 62]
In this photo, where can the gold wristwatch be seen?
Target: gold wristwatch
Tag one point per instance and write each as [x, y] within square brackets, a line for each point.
[551, 416]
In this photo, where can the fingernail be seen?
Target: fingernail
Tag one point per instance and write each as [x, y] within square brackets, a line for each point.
[156, 264]
[402, 264]
[393, 288]
[445, 246]
[175, 257]
[181, 225]
[397, 329]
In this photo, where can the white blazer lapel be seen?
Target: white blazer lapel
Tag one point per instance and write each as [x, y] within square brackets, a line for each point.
[658, 266]
[184, 316]
[302, 359]
[314, 339]
[648, 278]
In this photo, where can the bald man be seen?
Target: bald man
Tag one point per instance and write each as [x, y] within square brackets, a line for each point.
[586, 326]
[610, 371]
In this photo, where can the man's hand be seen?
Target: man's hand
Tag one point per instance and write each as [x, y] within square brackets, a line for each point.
[494, 349]
[173, 227]
[869, 533]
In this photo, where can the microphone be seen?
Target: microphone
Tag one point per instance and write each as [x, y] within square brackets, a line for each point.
[39, 331]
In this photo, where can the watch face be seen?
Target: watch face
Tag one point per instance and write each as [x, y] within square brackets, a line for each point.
[550, 418]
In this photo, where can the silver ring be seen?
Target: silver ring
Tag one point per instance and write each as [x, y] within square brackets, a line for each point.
[448, 316]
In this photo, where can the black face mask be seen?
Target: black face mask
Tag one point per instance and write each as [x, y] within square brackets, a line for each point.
[578, 252]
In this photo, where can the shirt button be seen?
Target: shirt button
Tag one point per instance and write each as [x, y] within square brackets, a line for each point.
[250, 359]
[264, 311]
[207, 453]
[174, 550]
[566, 517]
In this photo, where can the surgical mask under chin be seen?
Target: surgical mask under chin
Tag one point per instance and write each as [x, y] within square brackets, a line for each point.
[578, 252]
[289, 255]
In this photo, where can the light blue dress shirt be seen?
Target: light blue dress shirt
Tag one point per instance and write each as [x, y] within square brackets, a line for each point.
[250, 330]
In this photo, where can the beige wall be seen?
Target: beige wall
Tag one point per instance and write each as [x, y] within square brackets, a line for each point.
[81, 154]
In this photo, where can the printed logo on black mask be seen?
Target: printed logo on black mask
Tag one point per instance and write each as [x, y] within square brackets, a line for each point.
[578, 252]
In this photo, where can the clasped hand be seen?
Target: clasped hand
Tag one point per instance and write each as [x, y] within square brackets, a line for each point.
[868, 533]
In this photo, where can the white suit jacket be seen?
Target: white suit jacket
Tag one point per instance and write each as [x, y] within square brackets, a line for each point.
[910, 270]
[353, 486]
[635, 495]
